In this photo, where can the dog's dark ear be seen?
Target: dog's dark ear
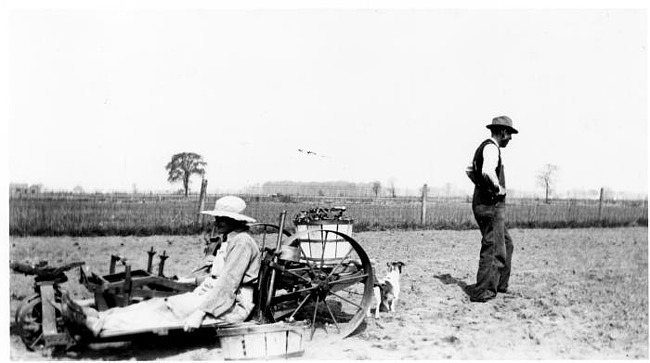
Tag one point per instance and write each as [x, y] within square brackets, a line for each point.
[400, 265]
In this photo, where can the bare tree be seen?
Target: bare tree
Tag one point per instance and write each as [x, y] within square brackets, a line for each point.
[376, 188]
[183, 166]
[391, 188]
[546, 178]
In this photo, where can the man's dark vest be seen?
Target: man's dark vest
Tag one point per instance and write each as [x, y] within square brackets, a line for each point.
[485, 192]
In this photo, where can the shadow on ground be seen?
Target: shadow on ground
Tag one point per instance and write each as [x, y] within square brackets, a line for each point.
[144, 347]
[447, 279]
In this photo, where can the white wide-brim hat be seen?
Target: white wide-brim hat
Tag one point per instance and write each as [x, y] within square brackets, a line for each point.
[231, 207]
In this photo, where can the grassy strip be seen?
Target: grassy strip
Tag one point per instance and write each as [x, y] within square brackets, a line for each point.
[106, 217]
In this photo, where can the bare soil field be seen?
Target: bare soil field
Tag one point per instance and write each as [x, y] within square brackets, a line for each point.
[574, 294]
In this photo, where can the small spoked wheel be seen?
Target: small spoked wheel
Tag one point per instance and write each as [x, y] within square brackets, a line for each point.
[29, 321]
[329, 283]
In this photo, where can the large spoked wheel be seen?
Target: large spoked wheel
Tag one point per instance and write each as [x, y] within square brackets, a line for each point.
[329, 283]
[29, 321]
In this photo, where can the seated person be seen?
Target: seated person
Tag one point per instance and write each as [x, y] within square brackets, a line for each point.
[226, 295]
[213, 254]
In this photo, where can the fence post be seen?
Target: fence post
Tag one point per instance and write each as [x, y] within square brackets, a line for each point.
[423, 218]
[199, 216]
[600, 204]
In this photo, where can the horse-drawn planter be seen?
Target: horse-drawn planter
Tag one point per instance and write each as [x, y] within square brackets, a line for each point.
[319, 277]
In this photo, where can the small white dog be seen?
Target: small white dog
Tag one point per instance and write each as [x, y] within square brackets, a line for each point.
[386, 290]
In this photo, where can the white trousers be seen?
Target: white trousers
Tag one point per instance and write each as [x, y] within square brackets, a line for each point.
[158, 313]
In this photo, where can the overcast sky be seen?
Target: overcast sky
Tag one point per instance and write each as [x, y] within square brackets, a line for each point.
[102, 98]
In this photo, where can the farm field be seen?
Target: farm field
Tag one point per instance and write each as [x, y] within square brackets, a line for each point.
[574, 294]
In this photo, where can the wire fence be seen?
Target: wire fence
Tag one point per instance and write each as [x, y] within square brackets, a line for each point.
[149, 213]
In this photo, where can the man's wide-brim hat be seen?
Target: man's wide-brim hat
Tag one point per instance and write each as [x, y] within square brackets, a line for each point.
[231, 207]
[502, 122]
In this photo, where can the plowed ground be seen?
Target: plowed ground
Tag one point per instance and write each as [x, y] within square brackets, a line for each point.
[574, 294]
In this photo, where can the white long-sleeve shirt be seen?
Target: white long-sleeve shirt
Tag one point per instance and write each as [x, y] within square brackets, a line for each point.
[490, 162]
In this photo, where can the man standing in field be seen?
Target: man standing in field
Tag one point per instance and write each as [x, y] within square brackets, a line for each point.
[489, 207]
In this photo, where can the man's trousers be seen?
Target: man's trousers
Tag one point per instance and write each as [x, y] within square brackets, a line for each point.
[495, 259]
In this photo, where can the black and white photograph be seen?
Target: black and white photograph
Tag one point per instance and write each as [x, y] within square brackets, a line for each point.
[319, 180]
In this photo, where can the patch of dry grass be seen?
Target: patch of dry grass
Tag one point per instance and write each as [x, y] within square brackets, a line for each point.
[99, 215]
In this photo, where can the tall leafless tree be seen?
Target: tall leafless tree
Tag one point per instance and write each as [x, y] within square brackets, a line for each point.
[546, 178]
[391, 188]
[376, 188]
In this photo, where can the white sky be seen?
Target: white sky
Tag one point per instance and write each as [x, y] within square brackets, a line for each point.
[102, 97]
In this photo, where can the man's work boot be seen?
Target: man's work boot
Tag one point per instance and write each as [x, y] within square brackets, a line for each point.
[483, 297]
